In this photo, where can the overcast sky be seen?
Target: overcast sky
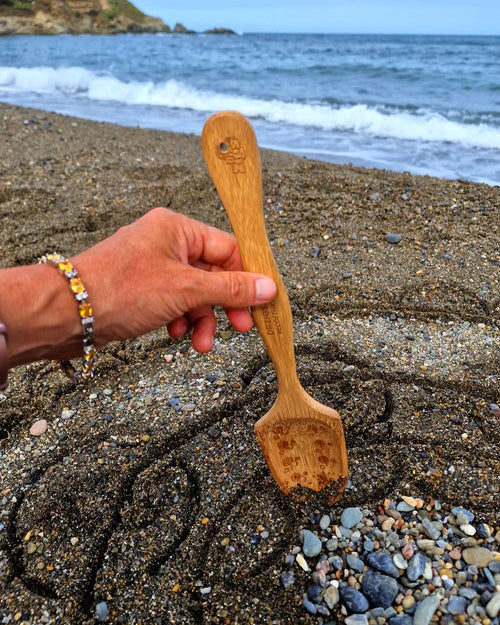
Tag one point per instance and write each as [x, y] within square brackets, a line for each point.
[475, 17]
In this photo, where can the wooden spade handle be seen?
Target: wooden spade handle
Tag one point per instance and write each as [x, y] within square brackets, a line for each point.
[233, 160]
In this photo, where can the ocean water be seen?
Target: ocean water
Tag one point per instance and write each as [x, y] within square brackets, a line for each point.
[424, 104]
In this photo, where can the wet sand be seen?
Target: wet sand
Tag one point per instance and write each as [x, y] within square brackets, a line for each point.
[131, 495]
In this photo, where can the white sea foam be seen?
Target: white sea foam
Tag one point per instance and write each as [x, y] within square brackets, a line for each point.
[420, 125]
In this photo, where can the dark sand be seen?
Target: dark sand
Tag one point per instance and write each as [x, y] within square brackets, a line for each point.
[142, 476]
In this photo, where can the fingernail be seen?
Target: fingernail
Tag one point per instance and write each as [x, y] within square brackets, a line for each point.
[265, 289]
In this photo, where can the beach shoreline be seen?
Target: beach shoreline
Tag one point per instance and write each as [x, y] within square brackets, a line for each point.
[142, 475]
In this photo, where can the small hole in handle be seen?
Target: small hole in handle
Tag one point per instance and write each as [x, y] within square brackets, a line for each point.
[224, 147]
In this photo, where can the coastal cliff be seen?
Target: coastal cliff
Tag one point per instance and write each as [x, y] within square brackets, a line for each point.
[53, 17]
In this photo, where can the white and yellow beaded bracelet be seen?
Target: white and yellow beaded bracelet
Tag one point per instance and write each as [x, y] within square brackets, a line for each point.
[65, 267]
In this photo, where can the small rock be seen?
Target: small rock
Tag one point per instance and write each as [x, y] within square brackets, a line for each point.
[495, 409]
[425, 610]
[301, 561]
[382, 561]
[430, 529]
[354, 563]
[379, 589]
[399, 561]
[331, 596]
[332, 544]
[67, 413]
[101, 610]
[287, 579]
[468, 529]
[391, 237]
[39, 427]
[314, 593]
[309, 606]
[354, 600]
[311, 544]
[457, 605]
[416, 566]
[350, 517]
[356, 619]
[324, 522]
[467, 514]
[401, 620]
[493, 605]
[478, 556]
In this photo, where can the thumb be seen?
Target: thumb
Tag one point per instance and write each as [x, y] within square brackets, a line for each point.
[234, 289]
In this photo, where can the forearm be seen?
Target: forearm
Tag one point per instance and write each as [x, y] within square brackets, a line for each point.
[40, 314]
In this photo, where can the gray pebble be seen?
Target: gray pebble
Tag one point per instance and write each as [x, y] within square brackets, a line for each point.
[287, 579]
[416, 566]
[324, 522]
[332, 544]
[355, 563]
[457, 605]
[494, 566]
[101, 610]
[350, 517]
[311, 544]
[493, 606]
[401, 620]
[468, 515]
[391, 237]
[314, 593]
[425, 610]
[430, 529]
[356, 619]
[309, 606]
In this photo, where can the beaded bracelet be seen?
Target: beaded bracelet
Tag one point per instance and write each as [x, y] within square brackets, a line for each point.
[64, 266]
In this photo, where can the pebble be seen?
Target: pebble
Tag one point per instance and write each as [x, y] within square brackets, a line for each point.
[379, 589]
[425, 610]
[478, 556]
[331, 596]
[354, 600]
[466, 513]
[101, 610]
[382, 561]
[430, 529]
[351, 517]
[67, 413]
[416, 566]
[325, 522]
[311, 544]
[356, 619]
[457, 605]
[493, 605]
[39, 427]
[391, 237]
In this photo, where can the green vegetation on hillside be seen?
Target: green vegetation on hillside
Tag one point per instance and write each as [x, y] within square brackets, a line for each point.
[123, 7]
[20, 5]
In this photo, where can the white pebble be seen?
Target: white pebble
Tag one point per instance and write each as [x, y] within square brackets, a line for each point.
[301, 561]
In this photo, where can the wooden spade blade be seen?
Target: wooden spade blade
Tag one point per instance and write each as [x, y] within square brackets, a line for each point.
[302, 440]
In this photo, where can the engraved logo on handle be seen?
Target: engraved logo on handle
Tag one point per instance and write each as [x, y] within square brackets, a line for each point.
[233, 154]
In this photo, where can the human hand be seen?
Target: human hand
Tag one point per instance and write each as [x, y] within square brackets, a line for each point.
[168, 269]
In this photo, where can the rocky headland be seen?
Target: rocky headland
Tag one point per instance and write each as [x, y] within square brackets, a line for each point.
[99, 17]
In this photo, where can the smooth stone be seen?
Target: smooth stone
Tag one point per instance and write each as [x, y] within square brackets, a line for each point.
[382, 561]
[355, 563]
[404, 507]
[39, 427]
[356, 619]
[483, 531]
[468, 529]
[401, 620]
[314, 593]
[101, 610]
[311, 545]
[468, 515]
[468, 593]
[416, 566]
[430, 529]
[350, 517]
[457, 605]
[493, 605]
[494, 566]
[354, 600]
[379, 589]
[425, 610]
[478, 556]
[287, 579]
[301, 561]
[331, 596]
[368, 545]
[309, 606]
[332, 544]
[325, 522]
[391, 237]
[67, 414]
[399, 561]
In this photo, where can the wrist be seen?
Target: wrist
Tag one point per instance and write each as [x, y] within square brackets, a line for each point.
[40, 315]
